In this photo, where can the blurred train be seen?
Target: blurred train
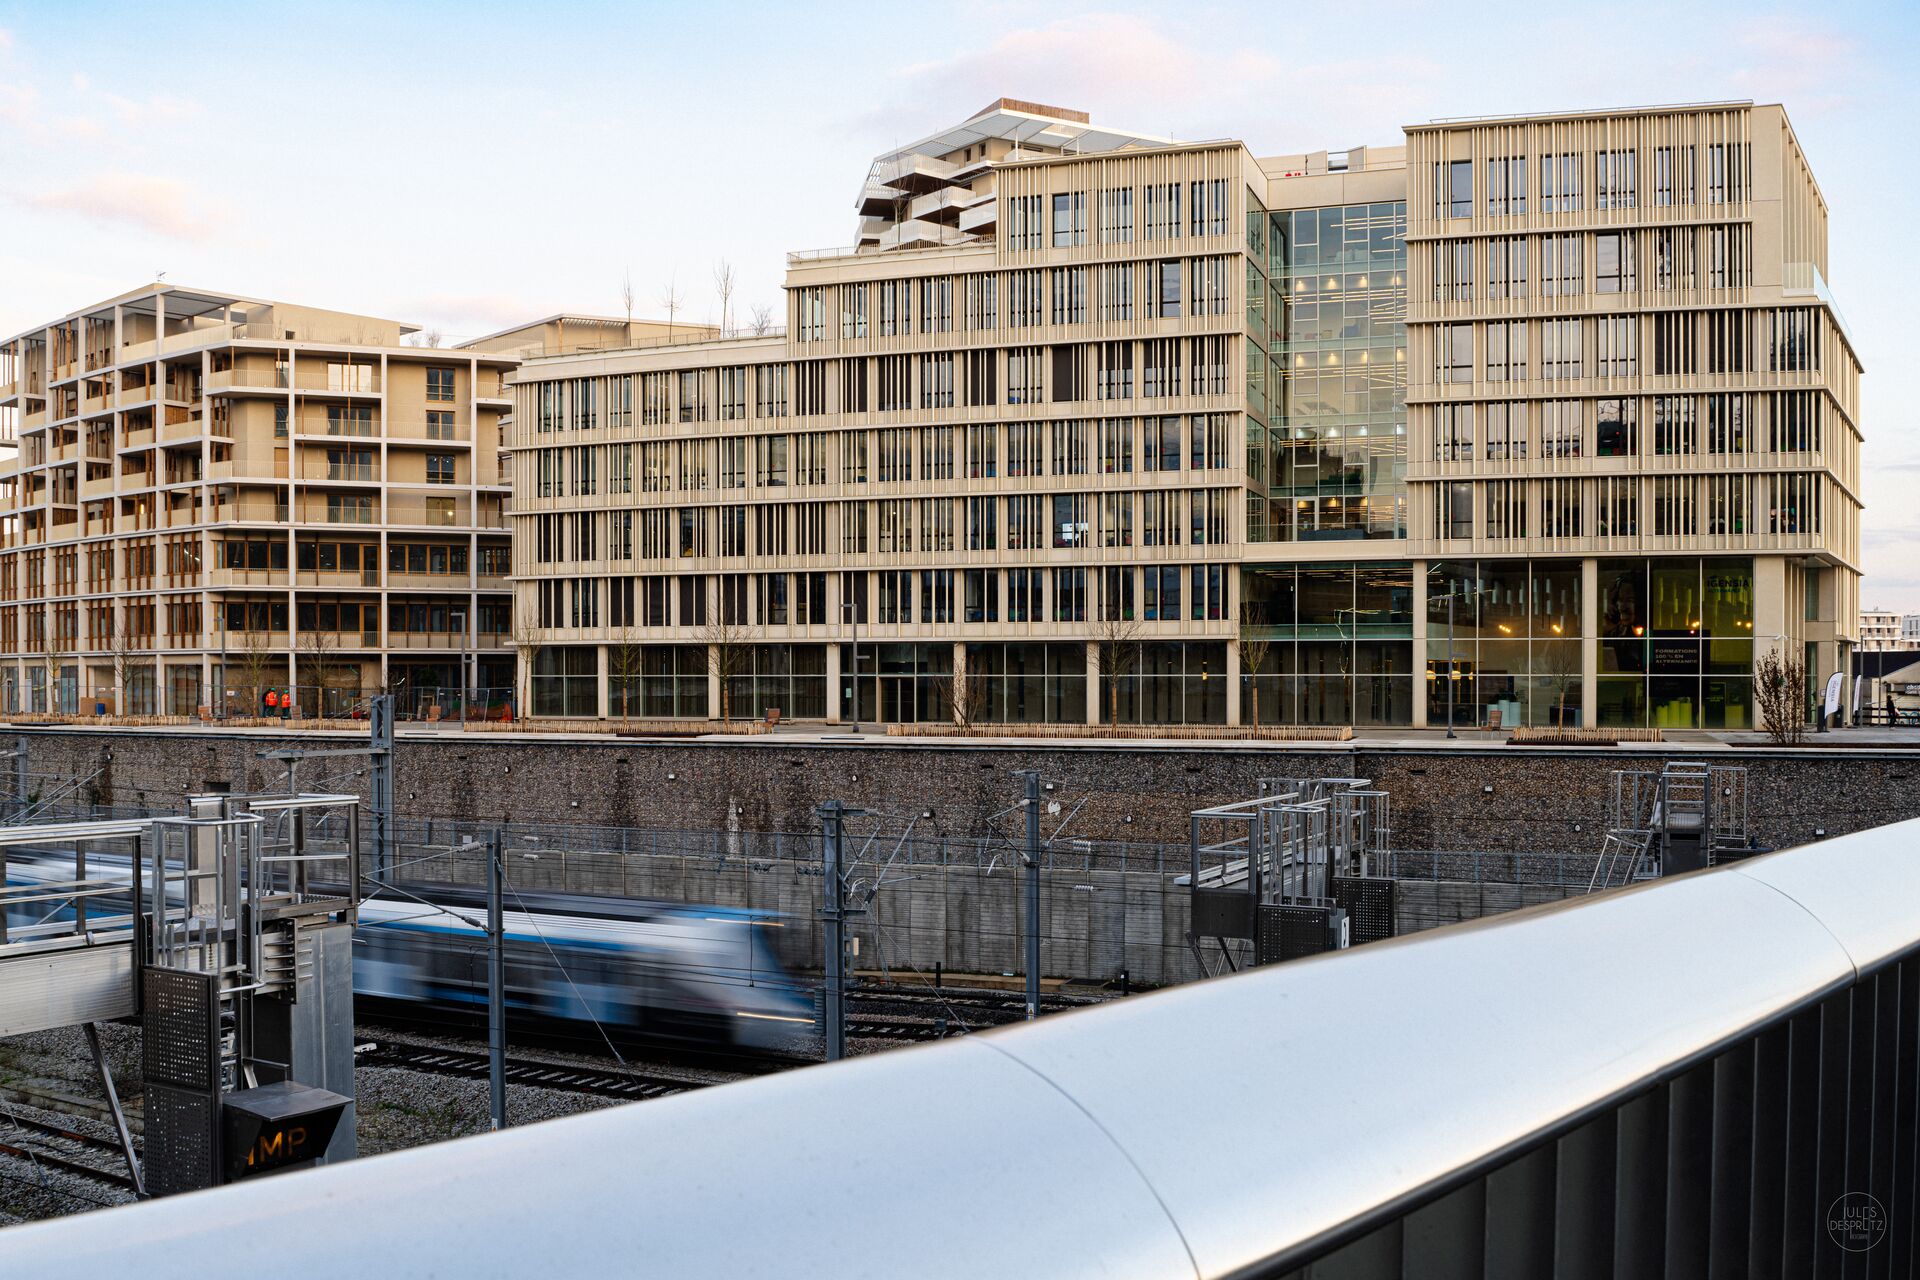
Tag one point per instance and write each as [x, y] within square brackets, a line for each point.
[637, 969]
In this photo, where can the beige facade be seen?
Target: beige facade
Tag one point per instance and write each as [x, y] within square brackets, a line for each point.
[208, 494]
[1551, 418]
[1881, 631]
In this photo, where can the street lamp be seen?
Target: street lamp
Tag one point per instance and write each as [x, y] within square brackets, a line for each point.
[1456, 594]
[850, 613]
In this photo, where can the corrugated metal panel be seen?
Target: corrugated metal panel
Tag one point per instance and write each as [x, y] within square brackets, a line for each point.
[42, 990]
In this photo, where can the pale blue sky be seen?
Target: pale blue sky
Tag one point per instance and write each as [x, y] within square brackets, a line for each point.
[468, 166]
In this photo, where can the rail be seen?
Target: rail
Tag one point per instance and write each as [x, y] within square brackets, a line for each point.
[1689, 1077]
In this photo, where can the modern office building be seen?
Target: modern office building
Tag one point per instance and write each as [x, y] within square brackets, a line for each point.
[1545, 419]
[207, 493]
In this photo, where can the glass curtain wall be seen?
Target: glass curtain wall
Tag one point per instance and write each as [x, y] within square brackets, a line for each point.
[1028, 683]
[1676, 648]
[1327, 644]
[1511, 649]
[1167, 682]
[1336, 328]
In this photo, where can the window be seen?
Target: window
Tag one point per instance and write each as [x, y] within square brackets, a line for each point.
[1674, 424]
[1673, 258]
[1457, 510]
[1729, 257]
[1453, 433]
[1506, 432]
[1673, 176]
[439, 424]
[1560, 349]
[1069, 295]
[1453, 189]
[439, 468]
[1507, 186]
[1616, 179]
[936, 304]
[1453, 353]
[853, 310]
[439, 383]
[1560, 428]
[1729, 166]
[1208, 199]
[1116, 216]
[1616, 346]
[1507, 351]
[1560, 265]
[1614, 269]
[1069, 219]
[1616, 429]
[1507, 268]
[1025, 229]
[280, 421]
[1560, 183]
[1162, 211]
[1452, 270]
[1167, 289]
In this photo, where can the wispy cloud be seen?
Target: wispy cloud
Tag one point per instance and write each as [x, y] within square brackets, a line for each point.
[161, 206]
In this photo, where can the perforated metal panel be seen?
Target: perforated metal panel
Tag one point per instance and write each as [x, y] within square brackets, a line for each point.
[182, 1139]
[180, 1034]
[180, 1025]
[1286, 931]
[1370, 903]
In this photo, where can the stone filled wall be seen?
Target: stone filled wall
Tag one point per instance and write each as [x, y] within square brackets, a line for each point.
[1495, 799]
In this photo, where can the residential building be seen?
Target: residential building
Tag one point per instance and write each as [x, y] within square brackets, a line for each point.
[1544, 419]
[207, 493]
[1880, 631]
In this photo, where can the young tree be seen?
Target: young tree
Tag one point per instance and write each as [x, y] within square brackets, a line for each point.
[625, 659]
[257, 662]
[760, 320]
[526, 642]
[967, 699]
[1779, 690]
[723, 285]
[729, 644]
[1118, 640]
[671, 300]
[124, 653]
[1254, 644]
[626, 294]
[320, 660]
[53, 659]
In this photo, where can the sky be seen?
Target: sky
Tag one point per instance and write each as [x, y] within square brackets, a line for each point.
[466, 167]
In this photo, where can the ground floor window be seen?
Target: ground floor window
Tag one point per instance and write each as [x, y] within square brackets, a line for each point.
[1027, 683]
[1676, 643]
[897, 683]
[1165, 682]
[566, 682]
[789, 678]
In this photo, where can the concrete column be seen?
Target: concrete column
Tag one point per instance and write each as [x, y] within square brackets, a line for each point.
[1233, 681]
[1589, 642]
[1770, 629]
[603, 684]
[835, 694]
[1420, 644]
[713, 679]
[1094, 707]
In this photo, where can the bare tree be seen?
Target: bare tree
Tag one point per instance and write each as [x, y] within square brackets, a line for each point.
[729, 644]
[760, 319]
[671, 300]
[1561, 658]
[320, 663]
[53, 658]
[626, 294]
[1779, 689]
[526, 642]
[1254, 644]
[625, 662]
[967, 699]
[723, 285]
[257, 661]
[432, 338]
[129, 663]
[1118, 640]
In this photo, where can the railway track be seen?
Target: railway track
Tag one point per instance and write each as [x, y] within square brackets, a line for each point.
[63, 1160]
[633, 1086]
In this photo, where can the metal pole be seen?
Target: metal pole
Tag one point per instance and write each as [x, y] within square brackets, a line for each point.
[496, 984]
[113, 1097]
[1033, 892]
[1452, 674]
[380, 782]
[853, 617]
[832, 914]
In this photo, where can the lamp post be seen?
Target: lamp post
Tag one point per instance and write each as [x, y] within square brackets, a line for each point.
[1452, 675]
[850, 612]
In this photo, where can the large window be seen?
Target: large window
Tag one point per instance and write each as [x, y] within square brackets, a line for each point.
[1676, 643]
[1328, 644]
